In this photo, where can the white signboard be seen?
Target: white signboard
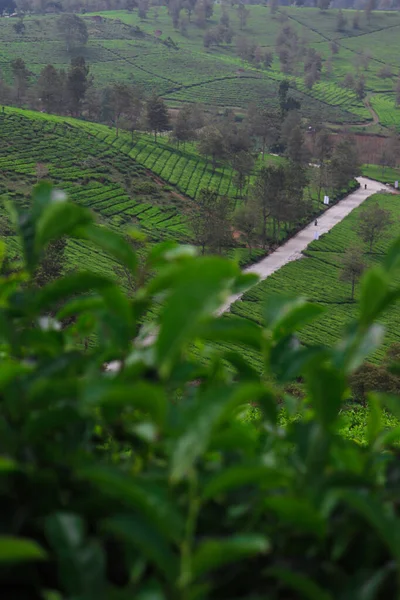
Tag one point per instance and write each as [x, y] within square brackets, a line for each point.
[326, 199]
[396, 184]
[316, 235]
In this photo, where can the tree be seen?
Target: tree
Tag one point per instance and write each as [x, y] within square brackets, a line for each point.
[267, 193]
[268, 59]
[334, 47]
[323, 5]
[353, 266]
[344, 164]
[349, 81]
[210, 221]
[134, 114]
[224, 20]
[243, 14]
[143, 8]
[296, 149]
[373, 222]
[356, 20]
[242, 165]
[323, 149]
[341, 21]
[157, 115]
[273, 6]
[247, 222]
[264, 125]
[286, 102]
[77, 82]
[121, 98]
[21, 78]
[212, 144]
[359, 87]
[73, 30]
[184, 130]
[370, 5]
[50, 89]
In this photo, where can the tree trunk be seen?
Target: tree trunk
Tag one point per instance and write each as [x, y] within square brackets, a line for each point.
[353, 283]
[264, 228]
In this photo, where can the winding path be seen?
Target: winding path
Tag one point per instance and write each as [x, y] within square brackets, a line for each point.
[292, 249]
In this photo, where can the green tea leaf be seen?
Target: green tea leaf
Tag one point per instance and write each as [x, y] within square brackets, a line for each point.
[232, 478]
[135, 492]
[326, 387]
[60, 219]
[81, 562]
[16, 549]
[233, 329]
[147, 397]
[197, 293]
[299, 583]
[374, 295]
[211, 406]
[374, 423]
[298, 512]
[213, 554]
[375, 513]
[141, 534]
[112, 243]
[70, 285]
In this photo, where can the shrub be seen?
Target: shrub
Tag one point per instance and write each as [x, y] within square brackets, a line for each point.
[143, 482]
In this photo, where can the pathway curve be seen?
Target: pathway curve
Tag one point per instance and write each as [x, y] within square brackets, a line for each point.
[292, 249]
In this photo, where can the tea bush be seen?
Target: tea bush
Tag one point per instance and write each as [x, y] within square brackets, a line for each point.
[145, 483]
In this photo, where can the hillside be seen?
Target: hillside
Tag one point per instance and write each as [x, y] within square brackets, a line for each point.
[123, 47]
[317, 278]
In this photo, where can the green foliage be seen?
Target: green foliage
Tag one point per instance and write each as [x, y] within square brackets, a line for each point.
[146, 481]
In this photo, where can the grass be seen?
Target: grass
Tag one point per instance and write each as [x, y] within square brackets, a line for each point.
[353, 422]
[385, 174]
[187, 72]
[316, 277]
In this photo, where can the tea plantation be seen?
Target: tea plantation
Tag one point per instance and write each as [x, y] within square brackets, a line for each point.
[316, 277]
[124, 47]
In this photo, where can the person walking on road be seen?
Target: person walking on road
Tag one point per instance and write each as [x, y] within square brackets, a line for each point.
[316, 222]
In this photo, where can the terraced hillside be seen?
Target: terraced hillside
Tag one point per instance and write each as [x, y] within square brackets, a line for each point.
[317, 278]
[92, 173]
[123, 47]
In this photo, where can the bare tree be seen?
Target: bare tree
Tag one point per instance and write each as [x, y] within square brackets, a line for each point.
[353, 266]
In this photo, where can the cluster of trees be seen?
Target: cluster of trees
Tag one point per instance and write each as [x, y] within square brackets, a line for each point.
[72, 92]
[277, 200]
[55, 91]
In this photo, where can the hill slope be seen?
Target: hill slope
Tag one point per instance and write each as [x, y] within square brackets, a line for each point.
[123, 47]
